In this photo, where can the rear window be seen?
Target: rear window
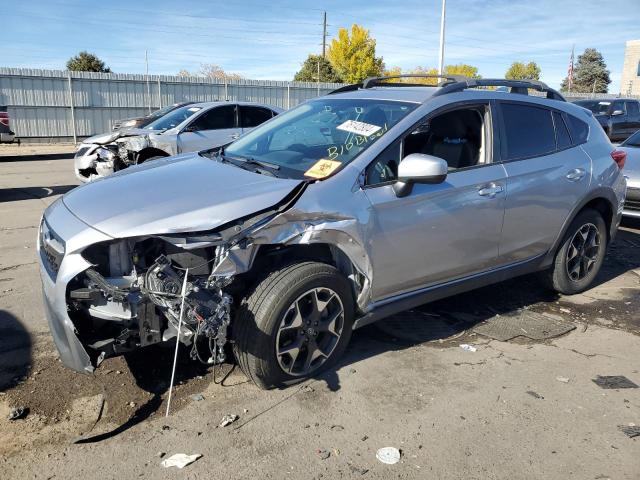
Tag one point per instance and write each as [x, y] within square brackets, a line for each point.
[528, 131]
[254, 116]
[579, 130]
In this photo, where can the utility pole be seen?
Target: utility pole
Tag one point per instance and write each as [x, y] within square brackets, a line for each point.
[146, 61]
[324, 34]
[442, 18]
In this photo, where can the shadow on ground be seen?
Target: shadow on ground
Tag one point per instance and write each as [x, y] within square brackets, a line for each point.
[36, 156]
[30, 193]
[15, 351]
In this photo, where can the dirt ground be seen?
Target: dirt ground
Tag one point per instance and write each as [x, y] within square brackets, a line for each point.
[510, 410]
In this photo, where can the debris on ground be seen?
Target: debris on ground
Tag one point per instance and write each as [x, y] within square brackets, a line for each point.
[630, 430]
[337, 428]
[614, 382]
[17, 413]
[160, 454]
[306, 388]
[355, 469]
[535, 395]
[228, 420]
[525, 323]
[197, 397]
[563, 379]
[180, 460]
[132, 404]
[468, 348]
[388, 455]
[323, 454]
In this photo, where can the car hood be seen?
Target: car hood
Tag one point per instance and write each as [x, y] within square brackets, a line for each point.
[110, 137]
[632, 165]
[185, 193]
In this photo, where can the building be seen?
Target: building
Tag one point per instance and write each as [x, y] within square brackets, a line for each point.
[630, 84]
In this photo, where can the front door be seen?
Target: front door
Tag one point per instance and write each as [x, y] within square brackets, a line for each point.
[213, 128]
[438, 232]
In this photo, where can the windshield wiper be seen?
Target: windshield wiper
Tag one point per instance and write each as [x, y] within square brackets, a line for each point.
[243, 163]
[253, 161]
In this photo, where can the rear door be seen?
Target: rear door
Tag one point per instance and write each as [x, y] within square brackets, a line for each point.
[547, 176]
[251, 117]
[217, 126]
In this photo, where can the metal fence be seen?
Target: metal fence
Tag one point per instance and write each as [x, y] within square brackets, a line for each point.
[57, 106]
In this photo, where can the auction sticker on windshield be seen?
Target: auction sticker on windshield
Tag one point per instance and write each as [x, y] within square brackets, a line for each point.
[322, 168]
[359, 128]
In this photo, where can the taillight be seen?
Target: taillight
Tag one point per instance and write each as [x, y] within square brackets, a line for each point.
[4, 118]
[619, 157]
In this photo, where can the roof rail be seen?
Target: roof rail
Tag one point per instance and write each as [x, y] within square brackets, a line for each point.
[517, 86]
[380, 81]
[346, 88]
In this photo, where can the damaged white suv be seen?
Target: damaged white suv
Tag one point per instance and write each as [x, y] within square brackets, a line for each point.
[371, 200]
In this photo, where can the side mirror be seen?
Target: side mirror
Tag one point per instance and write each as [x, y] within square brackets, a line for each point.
[615, 113]
[419, 168]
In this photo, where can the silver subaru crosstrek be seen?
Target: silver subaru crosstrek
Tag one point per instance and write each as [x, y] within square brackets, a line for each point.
[348, 208]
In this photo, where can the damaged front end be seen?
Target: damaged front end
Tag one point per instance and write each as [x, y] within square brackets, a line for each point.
[146, 291]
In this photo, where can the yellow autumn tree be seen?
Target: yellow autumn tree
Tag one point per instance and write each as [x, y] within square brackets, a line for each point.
[459, 69]
[353, 56]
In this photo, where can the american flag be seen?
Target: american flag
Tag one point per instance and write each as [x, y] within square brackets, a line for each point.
[570, 71]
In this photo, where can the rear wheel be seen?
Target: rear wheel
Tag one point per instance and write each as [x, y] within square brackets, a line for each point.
[581, 253]
[295, 324]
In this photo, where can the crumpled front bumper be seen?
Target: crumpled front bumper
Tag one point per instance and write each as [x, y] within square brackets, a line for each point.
[76, 236]
[88, 165]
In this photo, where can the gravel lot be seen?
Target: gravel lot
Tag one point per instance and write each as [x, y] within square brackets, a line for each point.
[510, 410]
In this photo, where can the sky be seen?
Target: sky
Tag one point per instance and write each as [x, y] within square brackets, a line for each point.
[269, 39]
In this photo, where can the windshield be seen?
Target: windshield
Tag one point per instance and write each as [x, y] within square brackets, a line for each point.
[173, 119]
[633, 140]
[596, 107]
[318, 137]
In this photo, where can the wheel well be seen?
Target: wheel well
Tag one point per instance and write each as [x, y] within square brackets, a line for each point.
[147, 153]
[604, 207]
[270, 257]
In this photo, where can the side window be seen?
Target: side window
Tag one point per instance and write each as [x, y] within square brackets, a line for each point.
[253, 116]
[618, 105]
[384, 168]
[528, 131]
[457, 136]
[579, 130]
[216, 119]
[633, 109]
[563, 138]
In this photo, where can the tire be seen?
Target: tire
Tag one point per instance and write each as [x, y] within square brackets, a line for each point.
[272, 321]
[155, 157]
[571, 272]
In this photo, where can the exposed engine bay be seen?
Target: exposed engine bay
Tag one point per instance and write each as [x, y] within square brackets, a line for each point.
[143, 292]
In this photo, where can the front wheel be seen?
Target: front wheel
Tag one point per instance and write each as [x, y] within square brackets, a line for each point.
[581, 253]
[295, 324]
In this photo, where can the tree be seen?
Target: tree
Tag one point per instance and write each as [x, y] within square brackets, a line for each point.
[522, 71]
[210, 70]
[459, 69]
[309, 71]
[87, 62]
[353, 57]
[590, 74]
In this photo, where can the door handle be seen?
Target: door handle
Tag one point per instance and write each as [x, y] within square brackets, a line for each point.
[490, 190]
[576, 174]
[234, 136]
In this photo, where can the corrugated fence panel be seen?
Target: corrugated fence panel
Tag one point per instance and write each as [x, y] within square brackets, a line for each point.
[39, 101]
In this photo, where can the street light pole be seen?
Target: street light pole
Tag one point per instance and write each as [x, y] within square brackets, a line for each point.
[442, 18]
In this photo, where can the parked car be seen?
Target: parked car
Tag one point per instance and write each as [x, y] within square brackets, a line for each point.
[6, 134]
[631, 146]
[346, 209]
[141, 122]
[619, 117]
[189, 128]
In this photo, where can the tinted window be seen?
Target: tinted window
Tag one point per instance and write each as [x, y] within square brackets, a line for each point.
[217, 118]
[632, 108]
[254, 116]
[579, 130]
[173, 119]
[562, 133]
[633, 140]
[617, 106]
[528, 131]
